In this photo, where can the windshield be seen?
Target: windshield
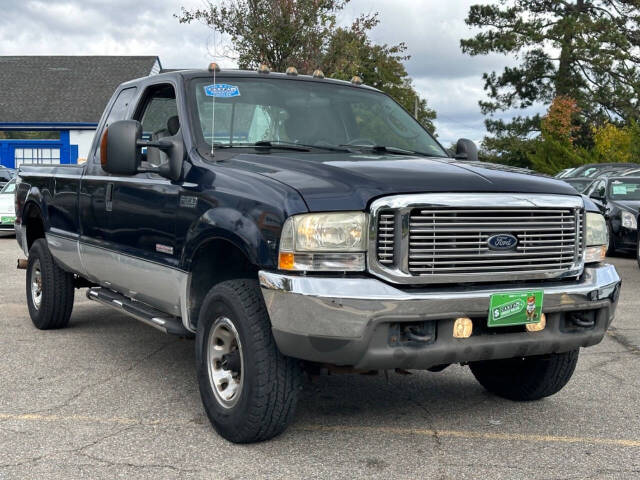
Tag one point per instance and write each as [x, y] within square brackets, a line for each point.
[579, 185]
[9, 187]
[625, 189]
[304, 113]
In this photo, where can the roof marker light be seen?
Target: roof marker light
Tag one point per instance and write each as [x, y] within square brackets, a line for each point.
[213, 67]
[318, 73]
[356, 80]
[292, 71]
[264, 68]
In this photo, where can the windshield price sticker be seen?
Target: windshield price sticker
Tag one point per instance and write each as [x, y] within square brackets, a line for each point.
[619, 189]
[517, 308]
[221, 90]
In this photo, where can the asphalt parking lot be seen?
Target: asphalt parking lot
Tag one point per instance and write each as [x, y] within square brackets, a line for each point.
[109, 397]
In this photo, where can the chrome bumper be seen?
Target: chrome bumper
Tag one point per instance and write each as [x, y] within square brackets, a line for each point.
[335, 320]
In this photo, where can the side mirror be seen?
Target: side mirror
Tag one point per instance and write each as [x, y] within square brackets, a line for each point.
[121, 154]
[466, 150]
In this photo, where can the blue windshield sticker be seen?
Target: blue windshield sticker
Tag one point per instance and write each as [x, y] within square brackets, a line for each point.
[221, 90]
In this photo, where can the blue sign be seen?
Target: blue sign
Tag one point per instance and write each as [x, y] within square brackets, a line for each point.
[502, 241]
[221, 90]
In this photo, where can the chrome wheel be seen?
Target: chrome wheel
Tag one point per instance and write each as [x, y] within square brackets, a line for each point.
[36, 285]
[225, 362]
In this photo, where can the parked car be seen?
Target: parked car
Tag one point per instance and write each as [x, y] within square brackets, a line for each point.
[294, 222]
[6, 174]
[7, 207]
[564, 173]
[581, 184]
[619, 200]
[638, 245]
[595, 169]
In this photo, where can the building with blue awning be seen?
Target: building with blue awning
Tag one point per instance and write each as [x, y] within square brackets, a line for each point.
[50, 106]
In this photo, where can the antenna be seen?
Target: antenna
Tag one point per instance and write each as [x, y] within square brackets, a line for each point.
[213, 68]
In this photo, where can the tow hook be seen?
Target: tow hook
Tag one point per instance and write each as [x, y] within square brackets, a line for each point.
[580, 321]
[22, 264]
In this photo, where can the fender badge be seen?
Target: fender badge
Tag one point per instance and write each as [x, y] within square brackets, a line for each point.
[164, 249]
[502, 241]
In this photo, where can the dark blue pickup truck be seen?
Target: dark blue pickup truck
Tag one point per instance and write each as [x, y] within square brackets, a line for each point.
[294, 223]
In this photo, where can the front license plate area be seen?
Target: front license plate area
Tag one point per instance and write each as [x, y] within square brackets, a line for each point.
[515, 308]
[7, 220]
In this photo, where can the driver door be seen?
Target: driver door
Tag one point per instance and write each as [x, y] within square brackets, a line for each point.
[143, 211]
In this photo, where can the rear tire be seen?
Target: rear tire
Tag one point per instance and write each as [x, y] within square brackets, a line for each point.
[50, 289]
[249, 389]
[527, 378]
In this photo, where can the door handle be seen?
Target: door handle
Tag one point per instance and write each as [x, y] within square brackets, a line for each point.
[108, 201]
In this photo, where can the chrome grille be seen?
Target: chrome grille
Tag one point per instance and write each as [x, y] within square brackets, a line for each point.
[441, 238]
[386, 233]
[455, 240]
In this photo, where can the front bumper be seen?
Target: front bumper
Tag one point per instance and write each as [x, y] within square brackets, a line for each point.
[350, 321]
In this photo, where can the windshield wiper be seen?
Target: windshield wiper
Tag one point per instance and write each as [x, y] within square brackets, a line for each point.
[385, 149]
[278, 144]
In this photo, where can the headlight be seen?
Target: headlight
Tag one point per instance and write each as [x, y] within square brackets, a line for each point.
[597, 238]
[324, 242]
[629, 221]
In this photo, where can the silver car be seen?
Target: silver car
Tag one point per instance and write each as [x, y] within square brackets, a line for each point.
[7, 207]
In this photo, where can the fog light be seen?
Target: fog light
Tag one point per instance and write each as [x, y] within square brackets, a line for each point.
[537, 327]
[462, 327]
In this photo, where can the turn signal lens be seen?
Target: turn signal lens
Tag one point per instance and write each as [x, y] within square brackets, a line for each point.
[537, 327]
[286, 261]
[595, 254]
[462, 327]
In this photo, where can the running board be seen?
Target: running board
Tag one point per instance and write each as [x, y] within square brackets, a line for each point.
[138, 310]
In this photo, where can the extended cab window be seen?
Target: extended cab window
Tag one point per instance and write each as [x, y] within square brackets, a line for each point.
[118, 111]
[236, 112]
[159, 119]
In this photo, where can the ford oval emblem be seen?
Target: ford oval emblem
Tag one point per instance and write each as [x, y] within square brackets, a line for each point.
[502, 241]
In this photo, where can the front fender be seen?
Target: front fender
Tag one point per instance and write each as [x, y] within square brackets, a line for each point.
[255, 233]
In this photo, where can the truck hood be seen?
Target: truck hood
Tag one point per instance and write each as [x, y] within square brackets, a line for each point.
[350, 181]
[630, 205]
[7, 206]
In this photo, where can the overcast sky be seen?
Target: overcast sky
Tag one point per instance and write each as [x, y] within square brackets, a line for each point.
[431, 29]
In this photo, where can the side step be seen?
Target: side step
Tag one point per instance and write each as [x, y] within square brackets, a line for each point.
[138, 310]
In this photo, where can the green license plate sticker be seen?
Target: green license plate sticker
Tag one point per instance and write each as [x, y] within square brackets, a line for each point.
[515, 308]
[7, 220]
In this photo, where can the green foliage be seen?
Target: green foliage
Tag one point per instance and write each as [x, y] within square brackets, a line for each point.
[303, 34]
[584, 49]
[552, 155]
[350, 52]
[615, 143]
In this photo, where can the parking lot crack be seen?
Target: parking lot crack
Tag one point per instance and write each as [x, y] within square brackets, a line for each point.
[620, 338]
[119, 374]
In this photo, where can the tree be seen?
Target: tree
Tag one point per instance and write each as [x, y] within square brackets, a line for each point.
[613, 143]
[555, 148]
[350, 52]
[303, 34]
[583, 49]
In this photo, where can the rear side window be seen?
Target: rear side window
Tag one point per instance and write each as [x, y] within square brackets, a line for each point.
[118, 112]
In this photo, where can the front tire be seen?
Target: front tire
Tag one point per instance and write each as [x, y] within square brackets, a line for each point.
[50, 289]
[249, 389]
[526, 378]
